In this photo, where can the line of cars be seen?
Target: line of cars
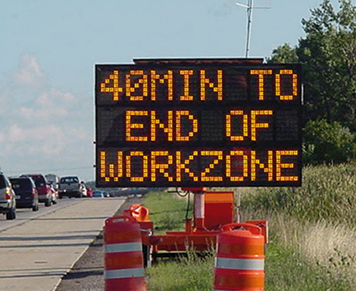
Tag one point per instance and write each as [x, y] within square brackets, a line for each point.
[71, 186]
[28, 190]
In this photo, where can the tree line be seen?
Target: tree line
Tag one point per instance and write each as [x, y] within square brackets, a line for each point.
[327, 53]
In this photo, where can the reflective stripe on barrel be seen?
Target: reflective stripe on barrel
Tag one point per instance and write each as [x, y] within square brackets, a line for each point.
[124, 273]
[240, 264]
[123, 247]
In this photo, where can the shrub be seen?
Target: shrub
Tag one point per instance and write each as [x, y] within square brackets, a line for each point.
[327, 143]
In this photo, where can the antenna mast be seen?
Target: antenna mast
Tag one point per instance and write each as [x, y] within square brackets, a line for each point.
[249, 8]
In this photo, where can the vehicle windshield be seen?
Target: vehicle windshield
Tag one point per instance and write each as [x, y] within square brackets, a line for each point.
[2, 182]
[20, 184]
[69, 180]
[39, 181]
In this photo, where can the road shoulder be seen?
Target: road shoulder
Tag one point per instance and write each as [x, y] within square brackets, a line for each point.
[87, 272]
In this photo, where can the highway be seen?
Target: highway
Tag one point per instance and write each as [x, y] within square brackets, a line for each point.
[38, 248]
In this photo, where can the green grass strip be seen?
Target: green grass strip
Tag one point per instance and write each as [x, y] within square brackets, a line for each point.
[286, 269]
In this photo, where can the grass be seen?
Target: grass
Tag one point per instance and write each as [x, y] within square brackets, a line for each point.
[167, 211]
[185, 274]
[309, 256]
[317, 221]
[312, 234]
[328, 193]
[288, 270]
[189, 273]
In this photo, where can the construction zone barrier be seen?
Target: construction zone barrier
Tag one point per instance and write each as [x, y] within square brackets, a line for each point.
[138, 211]
[123, 255]
[239, 262]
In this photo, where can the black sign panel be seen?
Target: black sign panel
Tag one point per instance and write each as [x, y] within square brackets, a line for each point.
[198, 125]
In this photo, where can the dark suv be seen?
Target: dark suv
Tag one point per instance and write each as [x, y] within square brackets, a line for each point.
[43, 188]
[7, 198]
[26, 192]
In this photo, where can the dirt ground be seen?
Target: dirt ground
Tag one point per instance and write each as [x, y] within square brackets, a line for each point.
[87, 273]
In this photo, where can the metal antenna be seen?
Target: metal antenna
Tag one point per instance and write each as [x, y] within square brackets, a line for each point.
[249, 7]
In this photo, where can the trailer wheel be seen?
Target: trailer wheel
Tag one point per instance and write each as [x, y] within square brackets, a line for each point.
[146, 250]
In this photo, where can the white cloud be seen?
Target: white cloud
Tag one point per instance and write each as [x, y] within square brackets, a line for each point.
[46, 139]
[43, 100]
[16, 134]
[51, 139]
[29, 72]
[42, 126]
[55, 94]
[43, 113]
[2, 139]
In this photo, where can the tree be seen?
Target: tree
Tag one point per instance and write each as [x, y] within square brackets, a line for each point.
[328, 55]
[327, 143]
[283, 54]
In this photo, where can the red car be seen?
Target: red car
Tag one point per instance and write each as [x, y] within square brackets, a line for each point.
[43, 188]
[89, 191]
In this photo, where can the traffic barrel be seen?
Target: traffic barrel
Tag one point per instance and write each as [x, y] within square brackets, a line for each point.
[239, 261]
[138, 211]
[123, 255]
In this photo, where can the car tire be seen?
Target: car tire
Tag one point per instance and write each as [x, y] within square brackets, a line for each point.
[48, 202]
[35, 207]
[11, 214]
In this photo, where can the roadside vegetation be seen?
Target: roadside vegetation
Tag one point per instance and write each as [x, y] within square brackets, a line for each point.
[328, 193]
[312, 234]
[312, 229]
[168, 212]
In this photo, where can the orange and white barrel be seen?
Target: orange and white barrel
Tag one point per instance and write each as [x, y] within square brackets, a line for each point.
[123, 255]
[239, 262]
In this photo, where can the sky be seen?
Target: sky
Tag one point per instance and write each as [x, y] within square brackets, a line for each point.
[48, 50]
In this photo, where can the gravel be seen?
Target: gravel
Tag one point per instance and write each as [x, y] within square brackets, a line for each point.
[87, 273]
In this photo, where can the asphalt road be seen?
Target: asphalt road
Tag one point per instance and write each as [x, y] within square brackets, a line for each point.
[38, 248]
[25, 214]
[88, 272]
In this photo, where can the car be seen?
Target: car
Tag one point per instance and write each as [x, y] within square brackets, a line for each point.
[53, 180]
[7, 198]
[71, 186]
[84, 190]
[43, 188]
[54, 193]
[26, 192]
[98, 194]
[89, 191]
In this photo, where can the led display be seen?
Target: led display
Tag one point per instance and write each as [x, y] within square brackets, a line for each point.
[194, 125]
